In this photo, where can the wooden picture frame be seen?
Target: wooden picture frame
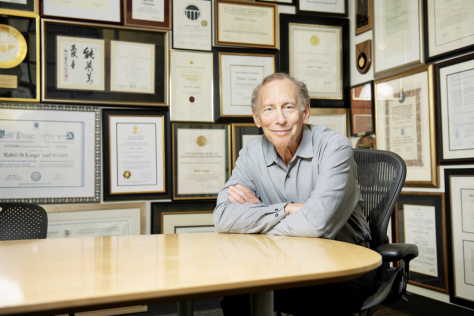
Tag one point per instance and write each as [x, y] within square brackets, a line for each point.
[363, 16]
[362, 109]
[335, 119]
[149, 14]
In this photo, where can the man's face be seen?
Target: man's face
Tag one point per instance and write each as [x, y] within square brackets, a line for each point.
[279, 114]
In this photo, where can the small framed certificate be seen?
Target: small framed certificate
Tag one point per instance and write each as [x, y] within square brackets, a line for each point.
[21, 5]
[241, 134]
[192, 25]
[363, 16]
[362, 109]
[150, 13]
[103, 11]
[333, 7]
[335, 119]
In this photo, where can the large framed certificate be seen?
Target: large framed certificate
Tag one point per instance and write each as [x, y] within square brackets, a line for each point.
[50, 153]
[135, 146]
[455, 82]
[191, 85]
[103, 11]
[333, 7]
[448, 25]
[335, 119]
[419, 219]
[398, 36]
[241, 134]
[248, 24]
[315, 50]
[192, 25]
[22, 5]
[405, 123]
[459, 186]
[362, 109]
[201, 160]
[150, 13]
[84, 63]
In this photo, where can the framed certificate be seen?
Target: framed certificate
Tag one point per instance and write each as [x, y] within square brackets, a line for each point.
[334, 7]
[404, 123]
[448, 26]
[50, 153]
[150, 13]
[398, 36]
[455, 81]
[335, 119]
[135, 146]
[103, 11]
[288, 2]
[241, 134]
[21, 5]
[459, 186]
[315, 50]
[201, 160]
[237, 73]
[84, 63]
[363, 16]
[19, 56]
[362, 109]
[248, 24]
[191, 85]
[420, 220]
[192, 25]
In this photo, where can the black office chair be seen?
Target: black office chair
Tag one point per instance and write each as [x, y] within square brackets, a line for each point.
[381, 178]
[22, 221]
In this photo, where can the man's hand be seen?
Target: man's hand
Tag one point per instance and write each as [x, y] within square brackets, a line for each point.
[290, 208]
[240, 194]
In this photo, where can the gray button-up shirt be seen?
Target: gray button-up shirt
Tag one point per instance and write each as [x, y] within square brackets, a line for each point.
[322, 175]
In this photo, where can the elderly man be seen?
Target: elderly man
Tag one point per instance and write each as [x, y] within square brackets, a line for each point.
[296, 180]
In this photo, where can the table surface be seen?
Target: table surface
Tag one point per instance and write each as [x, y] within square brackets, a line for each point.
[74, 274]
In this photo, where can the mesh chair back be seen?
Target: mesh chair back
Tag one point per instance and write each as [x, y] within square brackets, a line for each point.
[381, 177]
[22, 221]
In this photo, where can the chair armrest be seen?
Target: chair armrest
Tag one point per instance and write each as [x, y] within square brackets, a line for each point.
[396, 251]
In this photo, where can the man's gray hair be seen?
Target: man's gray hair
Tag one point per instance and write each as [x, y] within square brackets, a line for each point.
[303, 96]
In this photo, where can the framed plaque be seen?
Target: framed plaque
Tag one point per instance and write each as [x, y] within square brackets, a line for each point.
[201, 160]
[151, 13]
[363, 16]
[334, 7]
[404, 123]
[241, 134]
[335, 119]
[21, 5]
[362, 109]
[314, 50]
[135, 146]
[192, 25]
[19, 56]
[51, 153]
[248, 24]
[187, 222]
[84, 63]
[103, 11]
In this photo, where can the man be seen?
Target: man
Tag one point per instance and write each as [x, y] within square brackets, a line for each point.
[296, 180]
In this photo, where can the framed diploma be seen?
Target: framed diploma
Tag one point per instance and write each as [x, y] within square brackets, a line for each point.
[237, 73]
[191, 85]
[248, 24]
[420, 220]
[201, 156]
[22, 5]
[398, 36]
[201, 219]
[50, 153]
[334, 7]
[288, 2]
[315, 50]
[363, 16]
[405, 123]
[19, 56]
[192, 25]
[448, 26]
[362, 109]
[455, 81]
[84, 63]
[241, 134]
[150, 13]
[459, 186]
[135, 146]
[103, 11]
[335, 119]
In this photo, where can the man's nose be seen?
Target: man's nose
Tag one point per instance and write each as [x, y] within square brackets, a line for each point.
[280, 116]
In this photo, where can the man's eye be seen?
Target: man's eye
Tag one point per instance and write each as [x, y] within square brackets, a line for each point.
[267, 110]
[290, 107]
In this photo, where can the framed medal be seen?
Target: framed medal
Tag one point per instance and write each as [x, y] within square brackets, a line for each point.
[13, 47]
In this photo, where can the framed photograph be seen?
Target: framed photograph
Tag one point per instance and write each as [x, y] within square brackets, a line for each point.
[51, 153]
[192, 25]
[103, 11]
[151, 13]
[191, 86]
[19, 56]
[405, 123]
[90, 220]
[335, 119]
[171, 211]
[448, 26]
[201, 160]
[236, 74]
[245, 23]
[84, 63]
[363, 16]
[136, 143]
[398, 36]
[420, 220]
[315, 50]
[334, 7]
[459, 186]
[455, 82]
[21, 5]
[362, 109]
[241, 134]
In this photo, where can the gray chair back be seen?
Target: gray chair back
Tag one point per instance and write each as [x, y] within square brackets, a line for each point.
[22, 221]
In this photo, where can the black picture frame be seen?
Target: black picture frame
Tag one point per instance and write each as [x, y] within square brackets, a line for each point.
[319, 8]
[239, 130]
[362, 107]
[30, 6]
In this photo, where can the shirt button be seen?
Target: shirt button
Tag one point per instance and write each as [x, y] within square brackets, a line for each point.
[276, 215]
[276, 210]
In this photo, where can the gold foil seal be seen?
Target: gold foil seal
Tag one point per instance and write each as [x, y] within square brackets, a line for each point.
[203, 23]
[201, 141]
[314, 40]
[127, 174]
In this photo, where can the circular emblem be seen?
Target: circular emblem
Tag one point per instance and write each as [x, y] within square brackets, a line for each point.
[362, 61]
[192, 12]
[36, 176]
[201, 141]
[127, 174]
[203, 23]
[191, 99]
[314, 40]
[12, 47]
[401, 97]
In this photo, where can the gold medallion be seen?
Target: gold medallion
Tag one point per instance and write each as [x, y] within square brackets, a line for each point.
[201, 141]
[203, 23]
[12, 47]
[314, 40]
[127, 174]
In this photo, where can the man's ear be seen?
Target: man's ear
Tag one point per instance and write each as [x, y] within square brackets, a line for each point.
[256, 119]
[306, 113]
